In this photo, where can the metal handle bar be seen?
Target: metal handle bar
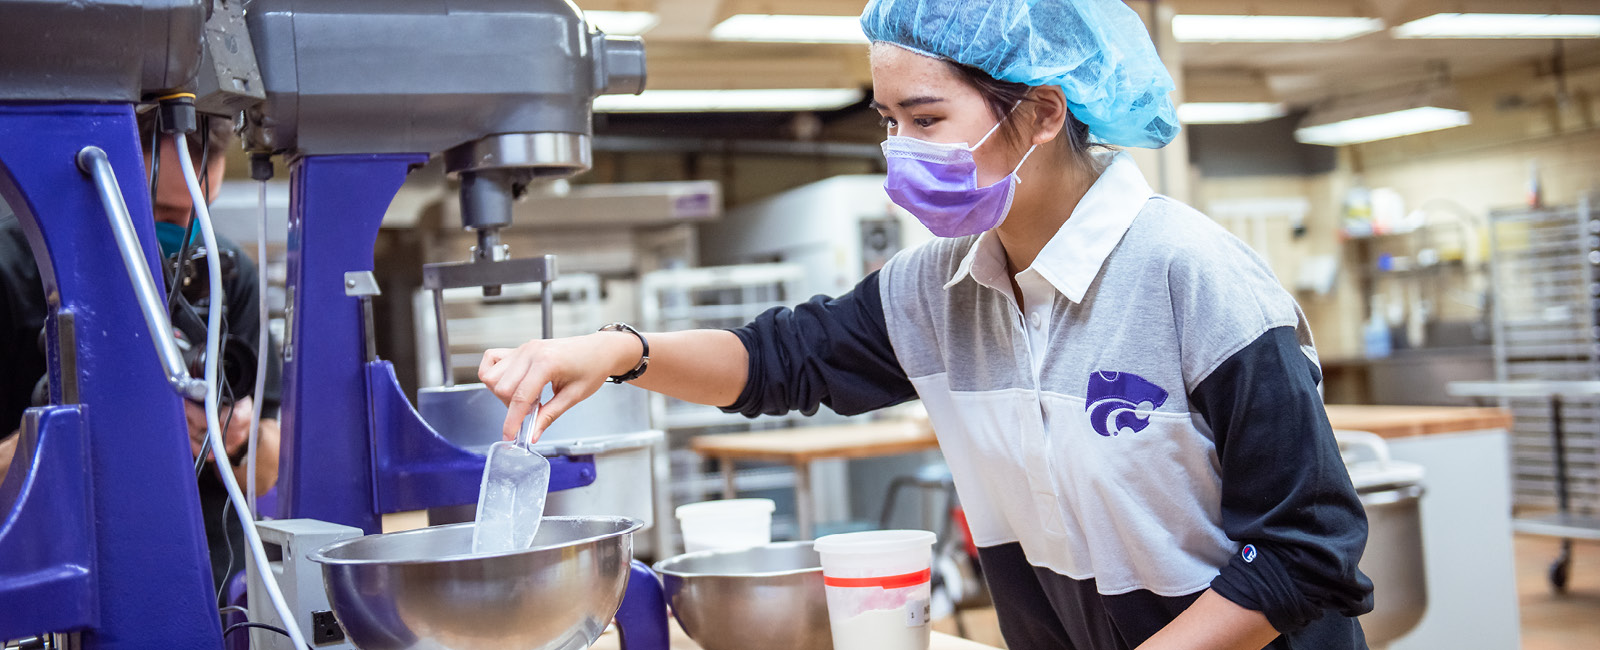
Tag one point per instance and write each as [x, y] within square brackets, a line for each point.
[92, 161]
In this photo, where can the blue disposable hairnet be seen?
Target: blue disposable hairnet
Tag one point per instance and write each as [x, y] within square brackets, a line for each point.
[1097, 51]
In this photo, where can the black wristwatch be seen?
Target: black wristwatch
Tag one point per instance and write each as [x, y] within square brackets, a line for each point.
[644, 359]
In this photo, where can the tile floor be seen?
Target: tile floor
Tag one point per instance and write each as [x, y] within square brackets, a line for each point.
[1552, 622]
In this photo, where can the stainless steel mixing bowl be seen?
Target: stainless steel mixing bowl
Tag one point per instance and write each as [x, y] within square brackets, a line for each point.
[425, 590]
[768, 597]
[1394, 561]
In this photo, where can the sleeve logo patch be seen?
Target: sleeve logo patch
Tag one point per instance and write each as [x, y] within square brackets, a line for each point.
[1115, 399]
[1248, 553]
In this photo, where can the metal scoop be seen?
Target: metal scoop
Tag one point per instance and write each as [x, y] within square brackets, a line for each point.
[511, 498]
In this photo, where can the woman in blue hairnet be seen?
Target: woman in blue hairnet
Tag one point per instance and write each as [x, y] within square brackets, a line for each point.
[1125, 395]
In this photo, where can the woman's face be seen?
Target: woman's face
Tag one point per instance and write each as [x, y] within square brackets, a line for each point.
[924, 98]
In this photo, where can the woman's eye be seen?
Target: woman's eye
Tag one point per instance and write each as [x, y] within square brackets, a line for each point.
[924, 122]
[887, 122]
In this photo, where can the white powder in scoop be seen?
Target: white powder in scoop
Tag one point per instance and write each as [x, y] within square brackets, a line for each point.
[879, 629]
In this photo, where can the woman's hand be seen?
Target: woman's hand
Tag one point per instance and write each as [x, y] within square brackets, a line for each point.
[1214, 623]
[8, 450]
[267, 442]
[573, 367]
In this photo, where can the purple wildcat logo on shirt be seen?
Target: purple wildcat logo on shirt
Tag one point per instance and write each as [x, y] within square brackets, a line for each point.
[1114, 400]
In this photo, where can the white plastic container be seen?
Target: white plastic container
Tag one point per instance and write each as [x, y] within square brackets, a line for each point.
[727, 524]
[878, 585]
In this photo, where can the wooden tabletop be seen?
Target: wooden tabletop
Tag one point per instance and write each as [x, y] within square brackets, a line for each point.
[1406, 421]
[804, 444]
[888, 437]
[680, 641]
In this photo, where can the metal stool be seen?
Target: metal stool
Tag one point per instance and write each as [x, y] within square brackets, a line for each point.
[948, 557]
[929, 478]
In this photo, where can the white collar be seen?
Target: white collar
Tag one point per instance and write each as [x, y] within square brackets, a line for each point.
[1074, 255]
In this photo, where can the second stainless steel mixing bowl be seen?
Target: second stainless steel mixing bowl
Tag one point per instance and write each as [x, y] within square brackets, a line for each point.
[767, 597]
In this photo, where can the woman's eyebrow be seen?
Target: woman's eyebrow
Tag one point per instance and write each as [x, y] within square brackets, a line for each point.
[908, 103]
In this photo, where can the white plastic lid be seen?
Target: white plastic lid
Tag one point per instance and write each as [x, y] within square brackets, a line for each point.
[874, 541]
[726, 508]
[1372, 474]
[1366, 457]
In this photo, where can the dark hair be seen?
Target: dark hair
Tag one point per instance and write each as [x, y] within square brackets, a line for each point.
[1003, 96]
[217, 135]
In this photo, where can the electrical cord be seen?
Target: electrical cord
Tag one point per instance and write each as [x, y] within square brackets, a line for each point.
[262, 347]
[233, 608]
[262, 626]
[227, 504]
[155, 155]
[188, 230]
[200, 459]
[176, 302]
[213, 347]
[227, 540]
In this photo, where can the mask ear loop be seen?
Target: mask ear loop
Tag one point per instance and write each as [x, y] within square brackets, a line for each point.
[996, 126]
[986, 136]
[1021, 162]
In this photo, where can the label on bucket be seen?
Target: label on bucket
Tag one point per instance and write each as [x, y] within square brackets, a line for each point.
[918, 612]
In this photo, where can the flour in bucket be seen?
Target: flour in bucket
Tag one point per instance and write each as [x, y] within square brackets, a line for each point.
[878, 586]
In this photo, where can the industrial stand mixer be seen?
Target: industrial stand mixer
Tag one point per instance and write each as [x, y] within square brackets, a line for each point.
[352, 94]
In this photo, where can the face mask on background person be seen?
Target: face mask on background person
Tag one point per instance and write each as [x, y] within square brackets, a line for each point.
[938, 184]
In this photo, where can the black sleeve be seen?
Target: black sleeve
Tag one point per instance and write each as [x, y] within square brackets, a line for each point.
[832, 351]
[1286, 495]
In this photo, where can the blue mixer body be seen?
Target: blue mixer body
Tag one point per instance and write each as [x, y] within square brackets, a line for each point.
[101, 531]
[102, 535]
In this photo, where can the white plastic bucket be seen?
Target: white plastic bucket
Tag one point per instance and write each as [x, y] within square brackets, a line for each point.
[878, 585]
[727, 524]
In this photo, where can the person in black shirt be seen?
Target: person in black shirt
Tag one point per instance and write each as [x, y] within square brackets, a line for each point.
[23, 309]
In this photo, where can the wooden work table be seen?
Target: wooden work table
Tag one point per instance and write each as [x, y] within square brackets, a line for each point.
[799, 446]
[1406, 421]
[804, 444]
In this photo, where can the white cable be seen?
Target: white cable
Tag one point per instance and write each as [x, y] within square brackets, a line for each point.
[219, 451]
[262, 349]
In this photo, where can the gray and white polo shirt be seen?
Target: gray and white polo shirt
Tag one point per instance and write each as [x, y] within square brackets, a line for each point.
[1139, 425]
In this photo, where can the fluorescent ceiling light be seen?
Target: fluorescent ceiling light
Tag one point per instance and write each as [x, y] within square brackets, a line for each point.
[1382, 127]
[1230, 112]
[622, 23]
[779, 28]
[1501, 26]
[1270, 29]
[701, 101]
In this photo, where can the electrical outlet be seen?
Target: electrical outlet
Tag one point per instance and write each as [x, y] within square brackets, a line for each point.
[325, 628]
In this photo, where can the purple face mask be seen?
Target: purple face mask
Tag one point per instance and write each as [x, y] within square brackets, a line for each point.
[938, 183]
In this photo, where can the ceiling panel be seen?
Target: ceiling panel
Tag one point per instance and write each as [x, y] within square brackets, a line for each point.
[681, 55]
